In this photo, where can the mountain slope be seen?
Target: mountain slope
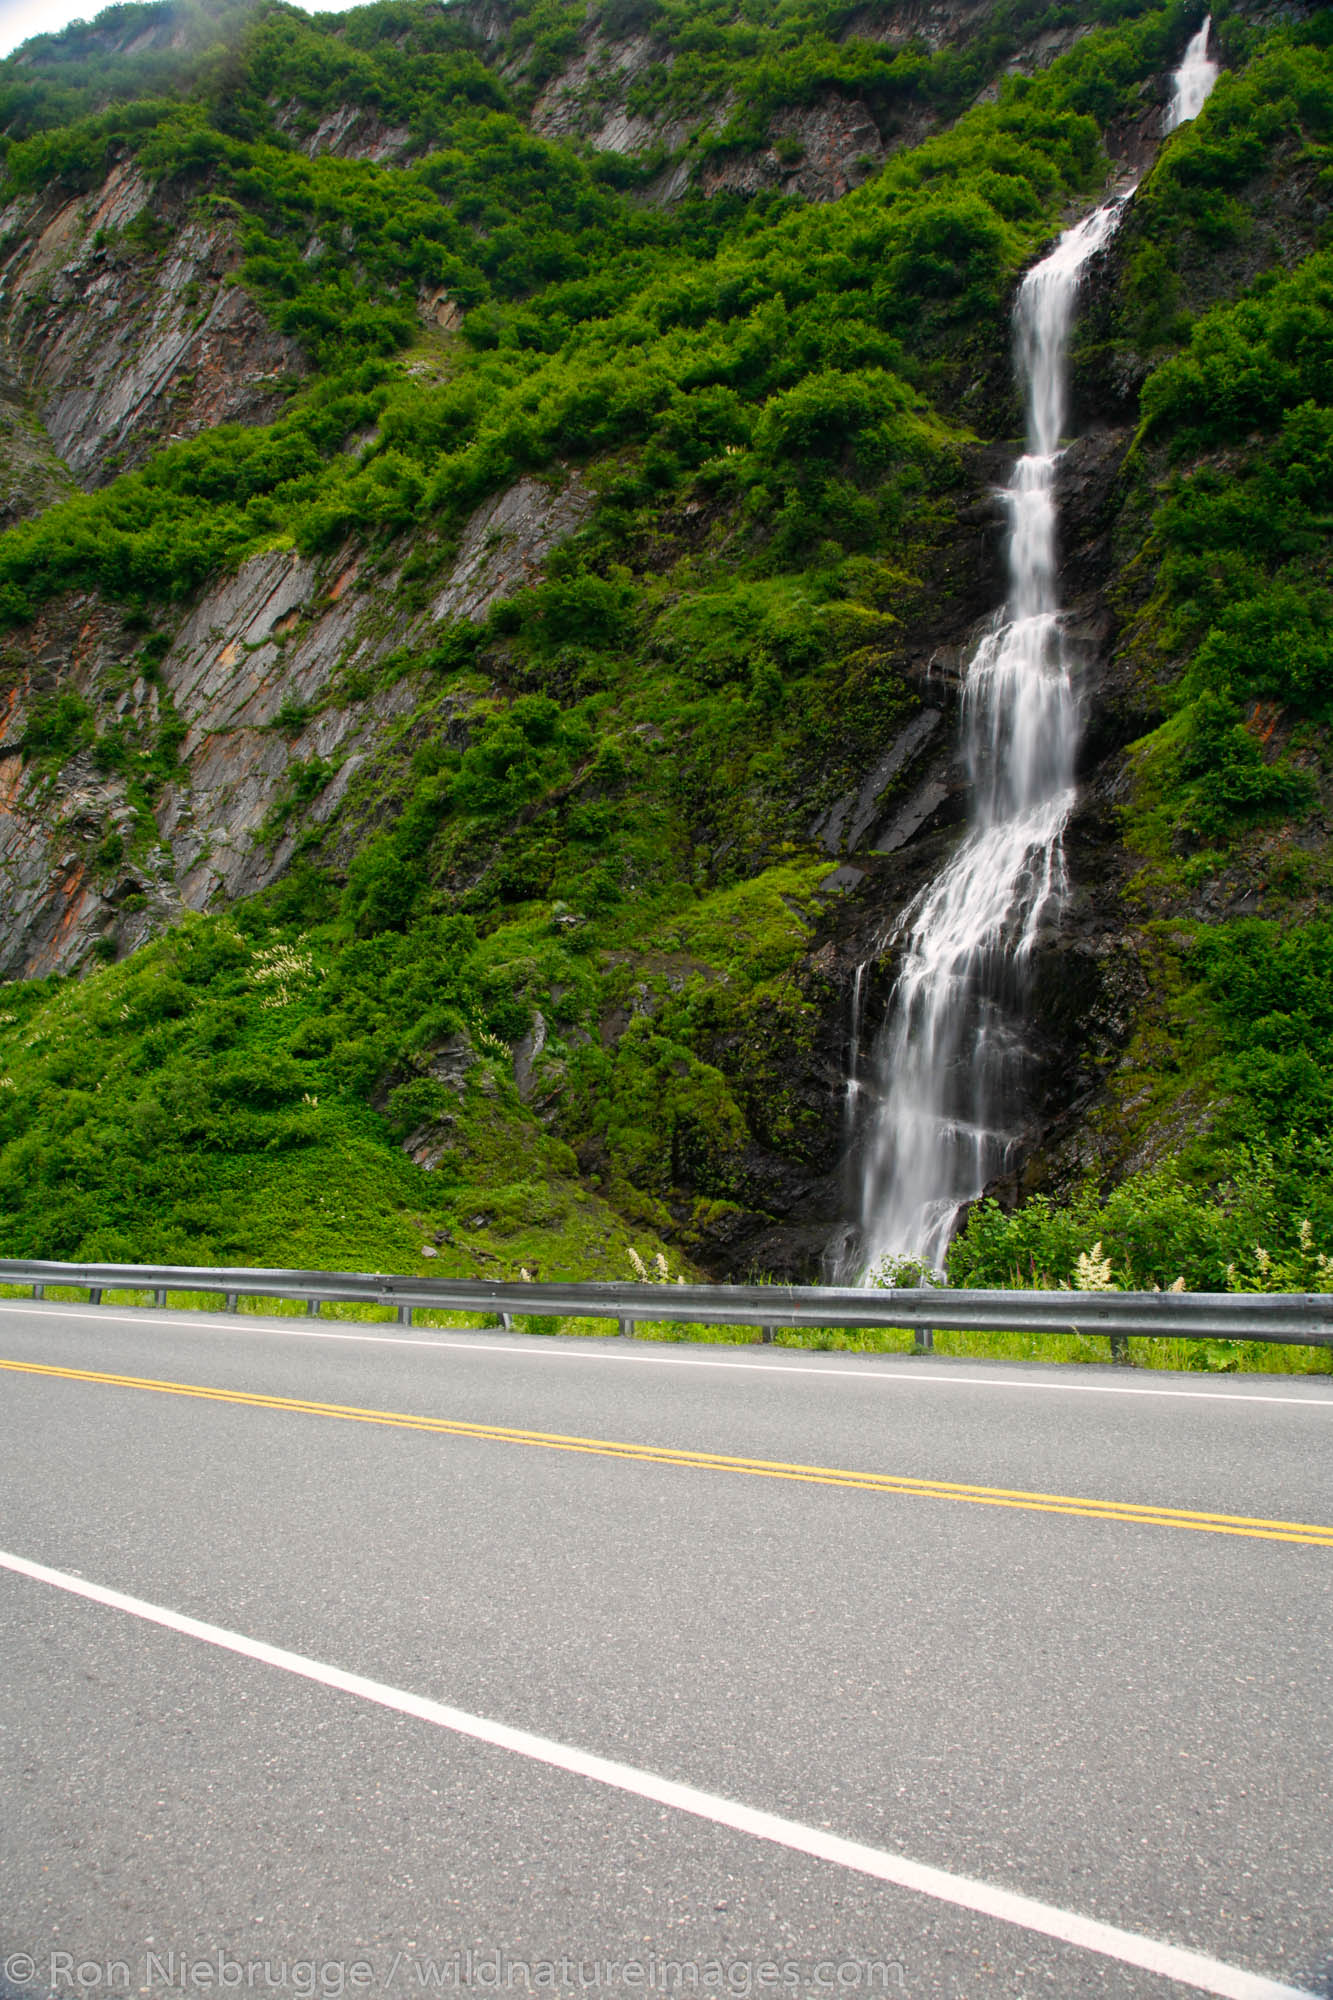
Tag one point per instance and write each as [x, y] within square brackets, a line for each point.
[526, 518]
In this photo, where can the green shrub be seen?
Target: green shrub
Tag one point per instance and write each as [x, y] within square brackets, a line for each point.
[1155, 1229]
[58, 726]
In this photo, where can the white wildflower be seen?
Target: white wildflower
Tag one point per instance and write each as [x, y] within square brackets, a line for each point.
[6, 1083]
[640, 1268]
[307, 1098]
[1092, 1272]
[1179, 1286]
[1263, 1260]
[1307, 1236]
[663, 1268]
[284, 967]
[525, 1274]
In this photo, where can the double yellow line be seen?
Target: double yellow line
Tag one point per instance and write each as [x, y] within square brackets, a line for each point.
[709, 1461]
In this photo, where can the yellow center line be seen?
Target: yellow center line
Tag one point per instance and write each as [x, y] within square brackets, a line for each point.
[1130, 1511]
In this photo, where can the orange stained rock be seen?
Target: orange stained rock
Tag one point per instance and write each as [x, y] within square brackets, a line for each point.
[1264, 719]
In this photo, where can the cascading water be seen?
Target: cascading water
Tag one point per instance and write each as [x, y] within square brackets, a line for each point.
[1193, 80]
[951, 1055]
[949, 1064]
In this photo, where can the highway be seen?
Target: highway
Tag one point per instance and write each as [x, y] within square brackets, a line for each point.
[342, 1660]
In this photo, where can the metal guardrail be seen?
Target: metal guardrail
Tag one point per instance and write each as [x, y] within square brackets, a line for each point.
[1302, 1319]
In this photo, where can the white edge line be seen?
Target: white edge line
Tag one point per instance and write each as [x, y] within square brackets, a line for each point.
[1168, 1961]
[149, 1316]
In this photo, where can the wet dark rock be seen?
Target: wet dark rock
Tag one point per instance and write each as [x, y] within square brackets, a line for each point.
[526, 1056]
[449, 1061]
[847, 823]
[841, 880]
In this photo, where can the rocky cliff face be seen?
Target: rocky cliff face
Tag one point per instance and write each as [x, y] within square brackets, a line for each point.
[350, 132]
[261, 682]
[816, 148]
[816, 151]
[121, 324]
[31, 473]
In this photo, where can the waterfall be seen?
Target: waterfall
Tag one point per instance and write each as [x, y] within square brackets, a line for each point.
[944, 1083]
[950, 1058]
[1193, 80]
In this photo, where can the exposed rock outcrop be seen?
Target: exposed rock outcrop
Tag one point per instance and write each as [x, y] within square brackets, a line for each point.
[119, 315]
[263, 686]
[504, 545]
[32, 474]
[818, 151]
[349, 132]
[587, 100]
[936, 23]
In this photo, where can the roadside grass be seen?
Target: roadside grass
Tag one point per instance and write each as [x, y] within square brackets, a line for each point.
[1188, 1356]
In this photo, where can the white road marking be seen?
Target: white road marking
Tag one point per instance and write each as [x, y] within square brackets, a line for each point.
[536, 1347]
[1168, 1961]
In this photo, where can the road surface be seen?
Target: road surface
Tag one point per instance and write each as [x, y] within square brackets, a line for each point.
[397, 1662]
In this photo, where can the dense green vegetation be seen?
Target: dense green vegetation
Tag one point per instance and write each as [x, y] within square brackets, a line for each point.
[1249, 1204]
[240, 1089]
[1244, 576]
[595, 817]
[783, 363]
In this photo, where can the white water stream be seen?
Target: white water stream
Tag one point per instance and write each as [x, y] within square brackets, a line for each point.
[951, 1054]
[948, 1067]
[1193, 80]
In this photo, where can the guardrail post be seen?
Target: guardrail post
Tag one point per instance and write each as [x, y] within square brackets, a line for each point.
[1298, 1320]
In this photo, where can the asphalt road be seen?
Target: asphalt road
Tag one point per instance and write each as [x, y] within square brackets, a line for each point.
[1083, 1699]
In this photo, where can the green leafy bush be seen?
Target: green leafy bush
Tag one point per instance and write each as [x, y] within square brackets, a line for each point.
[1249, 363]
[1153, 1230]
